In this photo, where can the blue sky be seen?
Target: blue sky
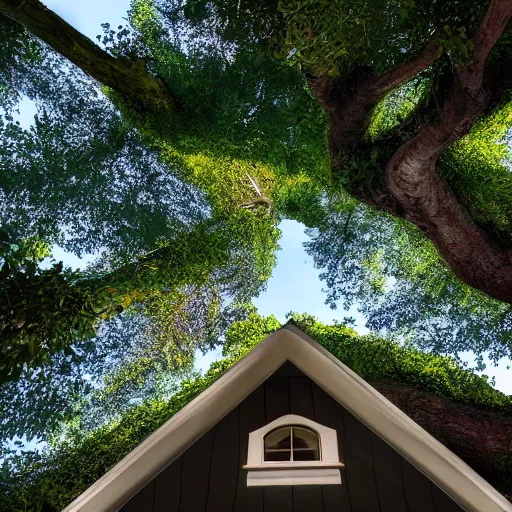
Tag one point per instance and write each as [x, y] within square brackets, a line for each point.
[295, 285]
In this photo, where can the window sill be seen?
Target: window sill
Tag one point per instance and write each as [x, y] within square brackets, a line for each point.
[266, 466]
[296, 476]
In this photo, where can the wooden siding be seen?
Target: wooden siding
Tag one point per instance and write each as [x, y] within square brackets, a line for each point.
[208, 476]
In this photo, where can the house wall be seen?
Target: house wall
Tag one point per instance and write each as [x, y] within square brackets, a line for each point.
[209, 477]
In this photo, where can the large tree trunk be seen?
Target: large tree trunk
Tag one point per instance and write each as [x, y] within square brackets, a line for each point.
[483, 439]
[349, 100]
[142, 93]
[425, 199]
[414, 189]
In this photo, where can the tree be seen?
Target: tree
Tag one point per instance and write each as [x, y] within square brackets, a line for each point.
[139, 355]
[239, 139]
[43, 311]
[458, 50]
[82, 177]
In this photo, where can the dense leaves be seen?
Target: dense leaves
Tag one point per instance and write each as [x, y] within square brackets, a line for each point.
[184, 220]
[401, 285]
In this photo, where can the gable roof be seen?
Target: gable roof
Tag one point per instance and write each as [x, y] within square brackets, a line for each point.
[410, 440]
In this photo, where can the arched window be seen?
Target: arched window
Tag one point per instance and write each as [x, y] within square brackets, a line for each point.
[291, 443]
[293, 450]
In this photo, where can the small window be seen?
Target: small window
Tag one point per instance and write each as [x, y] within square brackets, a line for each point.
[293, 450]
[291, 443]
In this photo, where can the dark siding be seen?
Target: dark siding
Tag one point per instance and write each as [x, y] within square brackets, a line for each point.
[143, 500]
[278, 499]
[308, 498]
[168, 488]
[224, 465]
[301, 397]
[209, 477]
[359, 466]
[418, 489]
[277, 398]
[195, 474]
[387, 464]
[443, 502]
[251, 413]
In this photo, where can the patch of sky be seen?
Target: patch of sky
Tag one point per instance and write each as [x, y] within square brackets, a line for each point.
[88, 15]
[498, 374]
[18, 444]
[508, 141]
[68, 259]
[25, 112]
[295, 284]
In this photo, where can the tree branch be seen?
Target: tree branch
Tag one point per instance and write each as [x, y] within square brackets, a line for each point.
[425, 198]
[260, 201]
[141, 92]
[386, 82]
[348, 101]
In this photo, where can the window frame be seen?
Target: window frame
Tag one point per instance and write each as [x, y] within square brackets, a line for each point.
[292, 429]
[324, 471]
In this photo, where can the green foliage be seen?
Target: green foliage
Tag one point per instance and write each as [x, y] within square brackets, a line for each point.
[376, 358]
[478, 168]
[81, 178]
[331, 37]
[133, 204]
[18, 53]
[397, 107]
[49, 481]
[44, 311]
[400, 284]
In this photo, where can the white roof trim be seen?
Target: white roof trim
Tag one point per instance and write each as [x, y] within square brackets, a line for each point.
[168, 442]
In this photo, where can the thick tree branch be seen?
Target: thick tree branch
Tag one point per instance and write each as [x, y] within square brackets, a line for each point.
[483, 439]
[425, 198]
[386, 82]
[141, 92]
[348, 101]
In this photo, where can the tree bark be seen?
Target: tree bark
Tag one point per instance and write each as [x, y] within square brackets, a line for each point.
[483, 439]
[139, 91]
[425, 199]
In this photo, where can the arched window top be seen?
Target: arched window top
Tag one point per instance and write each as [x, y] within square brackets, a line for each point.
[291, 443]
[279, 452]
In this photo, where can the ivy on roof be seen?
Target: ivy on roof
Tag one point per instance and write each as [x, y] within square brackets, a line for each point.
[49, 481]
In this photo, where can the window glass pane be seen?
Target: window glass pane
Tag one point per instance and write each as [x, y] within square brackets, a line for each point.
[305, 444]
[278, 445]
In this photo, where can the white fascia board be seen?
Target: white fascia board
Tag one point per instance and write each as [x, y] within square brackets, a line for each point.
[168, 442]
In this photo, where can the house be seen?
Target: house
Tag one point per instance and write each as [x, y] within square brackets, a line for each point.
[290, 428]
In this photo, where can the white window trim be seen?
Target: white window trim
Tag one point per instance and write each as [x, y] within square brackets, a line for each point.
[320, 472]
